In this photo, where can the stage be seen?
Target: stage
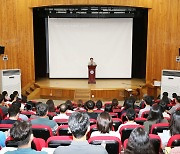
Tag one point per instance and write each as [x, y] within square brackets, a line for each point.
[74, 89]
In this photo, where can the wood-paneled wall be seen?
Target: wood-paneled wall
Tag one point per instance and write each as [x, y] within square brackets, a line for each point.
[163, 38]
[16, 32]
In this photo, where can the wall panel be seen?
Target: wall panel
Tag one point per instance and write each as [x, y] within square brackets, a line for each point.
[163, 38]
[16, 33]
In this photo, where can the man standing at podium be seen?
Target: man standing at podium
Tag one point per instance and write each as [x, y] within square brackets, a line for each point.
[92, 63]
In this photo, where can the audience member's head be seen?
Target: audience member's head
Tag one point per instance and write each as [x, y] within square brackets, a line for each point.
[13, 111]
[178, 99]
[131, 114]
[155, 113]
[165, 94]
[175, 123]
[12, 98]
[16, 93]
[51, 106]
[104, 122]
[69, 104]
[42, 109]
[1, 99]
[5, 95]
[174, 95]
[17, 104]
[128, 103]
[108, 108]
[80, 103]
[148, 100]
[139, 143]
[21, 132]
[90, 105]
[99, 104]
[115, 103]
[63, 108]
[79, 124]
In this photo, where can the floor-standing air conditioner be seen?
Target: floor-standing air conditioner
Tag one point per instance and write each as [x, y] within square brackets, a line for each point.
[10, 80]
[170, 82]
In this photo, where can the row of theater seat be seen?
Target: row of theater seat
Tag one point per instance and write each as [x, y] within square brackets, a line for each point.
[113, 144]
[42, 131]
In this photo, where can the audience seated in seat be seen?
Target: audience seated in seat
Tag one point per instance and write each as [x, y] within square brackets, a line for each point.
[99, 105]
[51, 108]
[79, 106]
[90, 106]
[21, 132]
[174, 128]
[155, 116]
[173, 109]
[128, 103]
[139, 143]
[148, 102]
[70, 106]
[43, 119]
[62, 108]
[115, 104]
[130, 115]
[3, 105]
[19, 105]
[13, 113]
[104, 126]
[163, 107]
[79, 125]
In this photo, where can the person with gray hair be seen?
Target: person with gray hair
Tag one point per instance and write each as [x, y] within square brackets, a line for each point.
[79, 125]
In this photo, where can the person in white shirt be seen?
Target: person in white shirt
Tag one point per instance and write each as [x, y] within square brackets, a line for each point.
[131, 115]
[104, 126]
[92, 63]
[148, 102]
[63, 108]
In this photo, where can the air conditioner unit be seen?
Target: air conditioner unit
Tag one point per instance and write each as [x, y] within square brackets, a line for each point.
[170, 82]
[10, 81]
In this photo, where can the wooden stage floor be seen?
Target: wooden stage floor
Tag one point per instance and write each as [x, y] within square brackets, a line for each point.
[83, 83]
[75, 89]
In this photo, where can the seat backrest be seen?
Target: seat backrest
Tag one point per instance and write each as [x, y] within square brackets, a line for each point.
[5, 127]
[145, 114]
[55, 141]
[140, 121]
[113, 115]
[42, 131]
[158, 128]
[118, 111]
[126, 130]
[156, 142]
[116, 123]
[174, 141]
[28, 113]
[63, 131]
[36, 144]
[61, 121]
[123, 117]
[113, 144]
[92, 121]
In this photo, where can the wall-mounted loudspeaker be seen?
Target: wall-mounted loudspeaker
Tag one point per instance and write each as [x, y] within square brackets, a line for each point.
[2, 49]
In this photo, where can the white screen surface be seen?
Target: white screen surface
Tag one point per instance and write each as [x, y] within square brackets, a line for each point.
[72, 41]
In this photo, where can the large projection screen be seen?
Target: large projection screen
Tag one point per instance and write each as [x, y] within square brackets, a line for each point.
[72, 41]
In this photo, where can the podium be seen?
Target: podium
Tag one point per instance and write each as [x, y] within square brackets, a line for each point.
[92, 74]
